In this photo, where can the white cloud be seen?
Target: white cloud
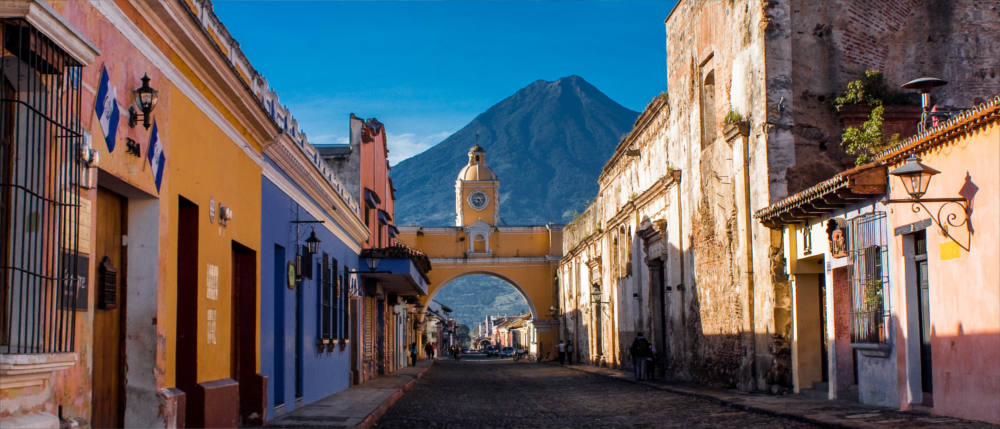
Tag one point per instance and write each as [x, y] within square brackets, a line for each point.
[326, 138]
[405, 145]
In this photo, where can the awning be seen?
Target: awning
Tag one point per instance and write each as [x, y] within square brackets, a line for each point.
[372, 199]
[384, 217]
[398, 276]
[400, 270]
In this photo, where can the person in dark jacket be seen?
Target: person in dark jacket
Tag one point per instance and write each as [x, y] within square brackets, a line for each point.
[413, 353]
[640, 350]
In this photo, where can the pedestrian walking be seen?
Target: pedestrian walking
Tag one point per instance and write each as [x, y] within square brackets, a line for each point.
[639, 351]
[429, 350]
[413, 353]
[561, 350]
[569, 352]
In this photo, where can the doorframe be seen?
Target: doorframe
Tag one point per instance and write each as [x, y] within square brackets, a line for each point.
[139, 328]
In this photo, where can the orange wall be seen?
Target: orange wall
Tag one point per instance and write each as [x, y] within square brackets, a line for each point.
[964, 285]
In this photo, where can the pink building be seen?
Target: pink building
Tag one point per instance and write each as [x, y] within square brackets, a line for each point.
[896, 292]
[946, 263]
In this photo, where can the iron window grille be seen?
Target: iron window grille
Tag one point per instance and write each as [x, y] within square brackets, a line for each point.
[869, 278]
[39, 193]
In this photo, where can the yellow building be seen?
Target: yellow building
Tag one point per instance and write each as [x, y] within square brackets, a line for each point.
[524, 256]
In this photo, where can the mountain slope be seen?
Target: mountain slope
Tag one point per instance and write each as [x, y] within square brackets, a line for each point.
[546, 143]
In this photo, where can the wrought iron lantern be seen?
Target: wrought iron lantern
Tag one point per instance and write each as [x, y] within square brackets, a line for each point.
[312, 243]
[916, 179]
[372, 263]
[916, 176]
[145, 98]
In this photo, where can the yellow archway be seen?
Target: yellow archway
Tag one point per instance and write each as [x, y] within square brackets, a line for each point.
[525, 256]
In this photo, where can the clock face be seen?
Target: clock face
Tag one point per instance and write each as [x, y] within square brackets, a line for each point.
[478, 200]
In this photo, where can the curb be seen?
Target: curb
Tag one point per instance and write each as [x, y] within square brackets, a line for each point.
[720, 401]
[378, 412]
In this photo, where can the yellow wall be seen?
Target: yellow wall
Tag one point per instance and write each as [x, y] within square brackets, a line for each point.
[204, 163]
[489, 213]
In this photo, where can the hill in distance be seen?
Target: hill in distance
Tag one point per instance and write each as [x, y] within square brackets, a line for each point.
[547, 144]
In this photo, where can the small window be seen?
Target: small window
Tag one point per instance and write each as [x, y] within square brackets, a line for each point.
[479, 244]
[708, 110]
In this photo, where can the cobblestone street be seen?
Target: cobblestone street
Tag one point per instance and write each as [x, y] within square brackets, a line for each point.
[502, 393]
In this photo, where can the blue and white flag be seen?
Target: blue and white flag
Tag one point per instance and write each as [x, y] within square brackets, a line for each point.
[154, 154]
[106, 107]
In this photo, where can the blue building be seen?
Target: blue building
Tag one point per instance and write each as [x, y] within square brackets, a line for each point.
[311, 238]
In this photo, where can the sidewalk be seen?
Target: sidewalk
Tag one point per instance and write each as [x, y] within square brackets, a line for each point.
[835, 413]
[357, 407]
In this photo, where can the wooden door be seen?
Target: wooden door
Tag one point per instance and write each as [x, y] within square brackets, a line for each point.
[186, 352]
[244, 335]
[108, 401]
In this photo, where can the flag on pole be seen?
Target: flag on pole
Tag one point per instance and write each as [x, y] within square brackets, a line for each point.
[106, 107]
[154, 154]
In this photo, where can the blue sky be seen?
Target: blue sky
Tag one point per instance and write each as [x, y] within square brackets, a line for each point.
[425, 69]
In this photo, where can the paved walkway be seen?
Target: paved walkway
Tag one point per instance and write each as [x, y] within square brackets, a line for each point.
[836, 413]
[357, 407]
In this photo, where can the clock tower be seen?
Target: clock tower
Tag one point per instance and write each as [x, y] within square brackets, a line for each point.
[477, 192]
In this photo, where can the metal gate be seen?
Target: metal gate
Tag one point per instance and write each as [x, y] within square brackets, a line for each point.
[40, 137]
[868, 239]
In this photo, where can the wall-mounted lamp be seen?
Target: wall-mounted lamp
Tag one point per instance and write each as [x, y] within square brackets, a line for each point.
[916, 178]
[225, 214]
[89, 156]
[145, 98]
[312, 243]
[553, 310]
[596, 295]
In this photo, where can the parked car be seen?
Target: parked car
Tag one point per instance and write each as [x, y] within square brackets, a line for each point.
[507, 352]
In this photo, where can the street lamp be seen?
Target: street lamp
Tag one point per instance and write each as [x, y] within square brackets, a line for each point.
[916, 178]
[372, 263]
[924, 85]
[312, 243]
[915, 175]
[146, 98]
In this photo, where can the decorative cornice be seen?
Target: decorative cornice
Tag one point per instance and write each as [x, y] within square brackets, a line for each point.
[291, 162]
[655, 107]
[45, 19]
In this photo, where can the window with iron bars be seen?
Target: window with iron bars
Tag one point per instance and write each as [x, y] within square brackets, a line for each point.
[869, 278]
[40, 136]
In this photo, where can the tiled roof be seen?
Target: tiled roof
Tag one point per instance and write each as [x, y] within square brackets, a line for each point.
[965, 121]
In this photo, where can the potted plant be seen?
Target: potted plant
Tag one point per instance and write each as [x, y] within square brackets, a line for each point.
[873, 116]
[736, 124]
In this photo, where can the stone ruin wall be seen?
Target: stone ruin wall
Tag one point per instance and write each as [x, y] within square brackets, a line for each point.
[715, 344]
[834, 42]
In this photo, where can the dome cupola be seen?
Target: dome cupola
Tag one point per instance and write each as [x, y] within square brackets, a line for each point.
[476, 169]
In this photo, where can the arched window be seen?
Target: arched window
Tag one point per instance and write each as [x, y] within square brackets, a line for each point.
[479, 244]
[708, 109]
